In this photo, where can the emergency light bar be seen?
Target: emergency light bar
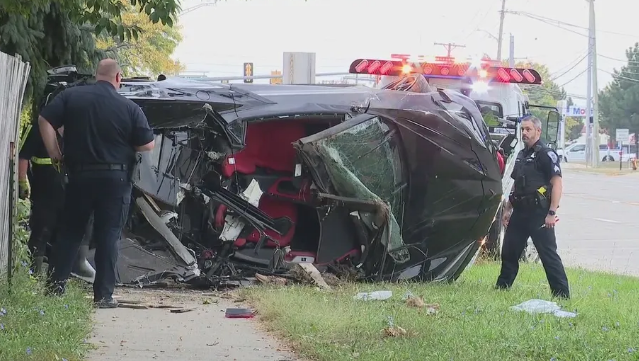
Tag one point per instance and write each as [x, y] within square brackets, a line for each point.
[445, 70]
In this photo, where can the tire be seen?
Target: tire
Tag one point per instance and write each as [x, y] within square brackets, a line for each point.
[608, 158]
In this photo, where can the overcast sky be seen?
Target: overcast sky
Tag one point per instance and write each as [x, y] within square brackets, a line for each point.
[220, 38]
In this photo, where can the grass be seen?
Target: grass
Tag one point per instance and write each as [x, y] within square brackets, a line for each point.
[34, 327]
[607, 168]
[474, 322]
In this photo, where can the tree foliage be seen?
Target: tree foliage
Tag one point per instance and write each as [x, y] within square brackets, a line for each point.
[619, 101]
[50, 34]
[150, 52]
[548, 93]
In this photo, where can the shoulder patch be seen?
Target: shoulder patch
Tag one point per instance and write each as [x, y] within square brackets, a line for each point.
[552, 156]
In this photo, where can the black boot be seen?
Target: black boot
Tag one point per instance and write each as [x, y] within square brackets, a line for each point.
[55, 288]
[106, 302]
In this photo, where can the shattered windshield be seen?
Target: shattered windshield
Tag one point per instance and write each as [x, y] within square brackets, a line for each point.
[364, 163]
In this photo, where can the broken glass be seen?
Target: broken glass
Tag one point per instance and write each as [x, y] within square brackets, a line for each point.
[363, 162]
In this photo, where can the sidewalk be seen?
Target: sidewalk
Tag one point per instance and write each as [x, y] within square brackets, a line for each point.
[156, 334]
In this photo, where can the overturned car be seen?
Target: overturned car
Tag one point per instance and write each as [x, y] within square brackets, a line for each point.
[245, 179]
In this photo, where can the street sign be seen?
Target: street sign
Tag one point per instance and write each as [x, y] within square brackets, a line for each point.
[622, 135]
[276, 80]
[248, 71]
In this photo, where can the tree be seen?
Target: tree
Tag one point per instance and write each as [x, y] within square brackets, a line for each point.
[149, 53]
[50, 34]
[548, 93]
[619, 101]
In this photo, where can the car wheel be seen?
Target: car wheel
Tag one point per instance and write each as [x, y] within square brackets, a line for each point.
[608, 158]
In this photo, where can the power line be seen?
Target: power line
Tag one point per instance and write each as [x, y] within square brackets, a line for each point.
[558, 24]
[571, 68]
[573, 79]
[617, 76]
[624, 61]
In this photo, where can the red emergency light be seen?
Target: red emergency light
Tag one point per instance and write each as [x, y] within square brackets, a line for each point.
[448, 70]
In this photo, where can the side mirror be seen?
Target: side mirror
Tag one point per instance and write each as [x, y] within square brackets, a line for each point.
[551, 130]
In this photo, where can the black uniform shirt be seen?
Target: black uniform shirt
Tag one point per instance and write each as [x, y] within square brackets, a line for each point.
[546, 158]
[46, 182]
[33, 146]
[100, 125]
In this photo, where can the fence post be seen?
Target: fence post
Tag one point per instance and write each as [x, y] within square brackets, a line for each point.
[13, 79]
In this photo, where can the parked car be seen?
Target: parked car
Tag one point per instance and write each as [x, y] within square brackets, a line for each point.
[576, 152]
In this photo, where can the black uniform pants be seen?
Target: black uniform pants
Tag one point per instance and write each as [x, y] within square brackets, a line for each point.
[108, 195]
[522, 225]
[47, 200]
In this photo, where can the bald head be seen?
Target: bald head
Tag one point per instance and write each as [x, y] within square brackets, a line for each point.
[109, 70]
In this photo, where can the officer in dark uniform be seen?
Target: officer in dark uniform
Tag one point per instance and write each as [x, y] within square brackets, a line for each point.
[47, 199]
[102, 132]
[534, 203]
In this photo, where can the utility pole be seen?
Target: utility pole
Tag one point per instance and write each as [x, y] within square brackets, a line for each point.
[589, 138]
[450, 46]
[501, 29]
[595, 89]
[511, 58]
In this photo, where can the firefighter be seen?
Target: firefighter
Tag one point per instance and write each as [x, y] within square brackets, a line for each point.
[534, 203]
[43, 184]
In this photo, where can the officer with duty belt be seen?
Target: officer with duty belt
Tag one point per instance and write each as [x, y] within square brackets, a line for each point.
[531, 210]
[102, 132]
[44, 185]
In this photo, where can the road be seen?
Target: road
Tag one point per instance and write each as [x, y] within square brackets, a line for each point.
[598, 222]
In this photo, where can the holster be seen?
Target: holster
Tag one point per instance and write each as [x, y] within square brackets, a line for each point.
[529, 201]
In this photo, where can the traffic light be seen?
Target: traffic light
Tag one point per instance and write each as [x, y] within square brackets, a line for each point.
[248, 71]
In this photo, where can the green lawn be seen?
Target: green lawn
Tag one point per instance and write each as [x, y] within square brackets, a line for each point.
[41, 328]
[474, 322]
[35, 327]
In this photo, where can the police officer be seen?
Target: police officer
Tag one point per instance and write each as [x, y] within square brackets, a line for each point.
[533, 204]
[102, 132]
[47, 197]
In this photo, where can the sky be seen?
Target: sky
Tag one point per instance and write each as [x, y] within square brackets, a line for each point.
[219, 38]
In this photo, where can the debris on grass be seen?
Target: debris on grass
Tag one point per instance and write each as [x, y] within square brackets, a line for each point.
[541, 306]
[308, 272]
[416, 302]
[376, 295]
[271, 280]
[394, 331]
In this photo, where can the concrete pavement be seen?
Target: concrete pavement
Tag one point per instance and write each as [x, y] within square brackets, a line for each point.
[125, 334]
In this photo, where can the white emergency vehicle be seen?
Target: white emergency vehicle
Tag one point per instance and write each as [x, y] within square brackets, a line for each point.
[496, 91]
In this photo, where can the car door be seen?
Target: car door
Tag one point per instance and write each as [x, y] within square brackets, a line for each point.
[577, 153]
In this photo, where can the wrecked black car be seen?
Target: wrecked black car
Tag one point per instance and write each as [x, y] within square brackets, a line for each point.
[245, 179]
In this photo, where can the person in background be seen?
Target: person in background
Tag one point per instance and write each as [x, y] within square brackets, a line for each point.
[102, 132]
[44, 185]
